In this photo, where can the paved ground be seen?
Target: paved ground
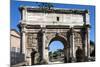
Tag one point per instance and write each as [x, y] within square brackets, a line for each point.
[56, 62]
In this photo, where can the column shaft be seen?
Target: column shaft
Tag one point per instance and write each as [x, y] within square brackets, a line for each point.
[43, 45]
[23, 42]
[88, 42]
[23, 45]
[73, 45]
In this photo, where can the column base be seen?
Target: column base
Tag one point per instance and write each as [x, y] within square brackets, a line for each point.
[44, 61]
[85, 58]
[73, 60]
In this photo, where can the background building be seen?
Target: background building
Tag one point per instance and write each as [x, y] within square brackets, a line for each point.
[16, 56]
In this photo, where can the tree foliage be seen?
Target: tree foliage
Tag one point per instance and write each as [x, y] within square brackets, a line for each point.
[91, 42]
[55, 54]
[93, 51]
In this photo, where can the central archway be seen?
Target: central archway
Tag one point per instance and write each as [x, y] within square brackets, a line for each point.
[56, 52]
[60, 45]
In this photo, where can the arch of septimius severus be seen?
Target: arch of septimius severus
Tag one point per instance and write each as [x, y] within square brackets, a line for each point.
[38, 29]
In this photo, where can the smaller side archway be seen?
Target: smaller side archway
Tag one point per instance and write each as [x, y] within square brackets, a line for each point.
[33, 57]
[79, 54]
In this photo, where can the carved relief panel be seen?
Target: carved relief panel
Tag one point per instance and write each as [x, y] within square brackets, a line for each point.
[31, 40]
[78, 39]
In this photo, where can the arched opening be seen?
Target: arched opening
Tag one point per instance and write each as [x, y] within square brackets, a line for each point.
[56, 53]
[79, 55]
[33, 57]
[57, 49]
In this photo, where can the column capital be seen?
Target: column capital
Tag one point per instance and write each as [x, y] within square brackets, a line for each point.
[23, 31]
[43, 29]
[43, 26]
[72, 30]
[23, 25]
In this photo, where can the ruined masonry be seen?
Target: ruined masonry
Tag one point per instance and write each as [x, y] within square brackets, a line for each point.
[38, 29]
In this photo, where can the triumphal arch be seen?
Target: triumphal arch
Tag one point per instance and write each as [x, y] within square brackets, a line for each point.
[40, 27]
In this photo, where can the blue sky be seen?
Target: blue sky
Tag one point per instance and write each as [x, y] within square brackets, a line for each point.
[15, 14]
[55, 45]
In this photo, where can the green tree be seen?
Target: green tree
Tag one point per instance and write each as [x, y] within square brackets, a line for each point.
[50, 54]
[55, 54]
[93, 52]
[59, 51]
[92, 43]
